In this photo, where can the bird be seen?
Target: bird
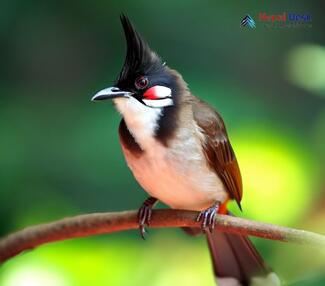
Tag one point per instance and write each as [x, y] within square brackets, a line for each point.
[178, 150]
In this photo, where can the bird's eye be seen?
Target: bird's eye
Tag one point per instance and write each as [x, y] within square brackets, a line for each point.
[141, 82]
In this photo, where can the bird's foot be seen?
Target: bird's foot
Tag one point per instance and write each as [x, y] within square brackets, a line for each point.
[144, 215]
[208, 217]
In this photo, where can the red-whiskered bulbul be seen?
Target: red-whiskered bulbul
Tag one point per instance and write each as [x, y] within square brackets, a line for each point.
[178, 150]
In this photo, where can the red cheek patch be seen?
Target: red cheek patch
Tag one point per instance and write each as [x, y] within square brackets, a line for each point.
[157, 92]
[151, 93]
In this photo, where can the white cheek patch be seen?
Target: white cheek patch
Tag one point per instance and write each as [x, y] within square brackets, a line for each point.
[158, 102]
[158, 96]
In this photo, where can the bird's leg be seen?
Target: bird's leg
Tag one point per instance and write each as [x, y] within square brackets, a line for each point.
[208, 217]
[144, 214]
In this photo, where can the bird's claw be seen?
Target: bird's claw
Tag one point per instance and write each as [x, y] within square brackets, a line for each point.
[208, 217]
[144, 215]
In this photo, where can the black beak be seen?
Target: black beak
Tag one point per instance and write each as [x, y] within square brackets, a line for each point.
[110, 93]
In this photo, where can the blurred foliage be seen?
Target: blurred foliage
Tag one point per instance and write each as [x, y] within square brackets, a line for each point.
[60, 154]
[117, 262]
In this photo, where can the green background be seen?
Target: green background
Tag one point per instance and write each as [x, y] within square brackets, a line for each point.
[60, 156]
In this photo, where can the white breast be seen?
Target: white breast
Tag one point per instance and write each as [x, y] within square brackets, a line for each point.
[178, 175]
[178, 179]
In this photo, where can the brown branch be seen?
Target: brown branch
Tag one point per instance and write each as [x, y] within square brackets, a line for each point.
[98, 223]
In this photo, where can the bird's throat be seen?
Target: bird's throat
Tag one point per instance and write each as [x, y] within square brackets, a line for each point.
[141, 121]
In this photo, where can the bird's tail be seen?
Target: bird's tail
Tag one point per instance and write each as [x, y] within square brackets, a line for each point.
[236, 261]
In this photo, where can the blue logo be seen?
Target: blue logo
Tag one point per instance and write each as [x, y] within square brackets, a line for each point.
[248, 21]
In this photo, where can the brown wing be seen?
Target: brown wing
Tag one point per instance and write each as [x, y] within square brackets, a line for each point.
[217, 149]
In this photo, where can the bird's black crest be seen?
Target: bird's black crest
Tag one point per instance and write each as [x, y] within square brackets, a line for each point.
[140, 59]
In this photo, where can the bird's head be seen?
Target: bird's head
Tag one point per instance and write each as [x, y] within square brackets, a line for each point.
[145, 81]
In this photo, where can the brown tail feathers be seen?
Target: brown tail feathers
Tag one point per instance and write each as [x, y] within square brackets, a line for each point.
[236, 262]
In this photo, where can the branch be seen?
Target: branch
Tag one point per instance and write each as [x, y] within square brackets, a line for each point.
[99, 223]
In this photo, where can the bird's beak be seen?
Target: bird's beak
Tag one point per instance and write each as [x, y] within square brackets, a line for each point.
[110, 93]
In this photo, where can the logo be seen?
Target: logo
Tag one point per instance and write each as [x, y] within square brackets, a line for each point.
[248, 21]
[285, 20]
[278, 20]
